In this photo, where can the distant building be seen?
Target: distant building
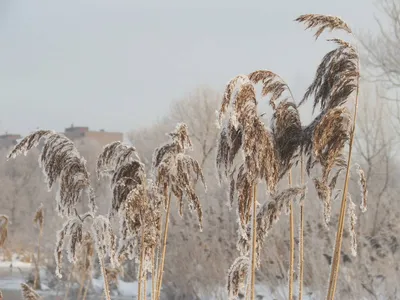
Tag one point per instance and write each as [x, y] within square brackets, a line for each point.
[102, 137]
[9, 140]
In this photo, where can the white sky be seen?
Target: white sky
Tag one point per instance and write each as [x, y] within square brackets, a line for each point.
[118, 64]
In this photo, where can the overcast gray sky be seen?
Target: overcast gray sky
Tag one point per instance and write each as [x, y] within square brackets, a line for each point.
[118, 64]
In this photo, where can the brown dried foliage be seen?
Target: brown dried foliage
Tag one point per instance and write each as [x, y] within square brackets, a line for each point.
[257, 143]
[85, 255]
[60, 160]
[323, 22]
[237, 276]
[39, 217]
[113, 156]
[3, 229]
[270, 212]
[271, 84]
[141, 215]
[28, 293]
[287, 132]
[330, 136]
[178, 172]
[120, 163]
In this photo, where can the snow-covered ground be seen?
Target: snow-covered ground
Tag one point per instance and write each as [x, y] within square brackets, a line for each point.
[13, 273]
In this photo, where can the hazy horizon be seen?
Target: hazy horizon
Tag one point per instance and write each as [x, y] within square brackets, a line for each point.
[118, 65]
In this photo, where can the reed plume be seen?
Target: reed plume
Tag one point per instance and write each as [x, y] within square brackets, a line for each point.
[323, 22]
[28, 293]
[122, 165]
[84, 263]
[60, 160]
[237, 275]
[337, 78]
[3, 229]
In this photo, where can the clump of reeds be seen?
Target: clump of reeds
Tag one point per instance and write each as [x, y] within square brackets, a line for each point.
[336, 80]
[29, 293]
[136, 200]
[176, 173]
[60, 160]
[38, 220]
[268, 155]
[133, 203]
[3, 229]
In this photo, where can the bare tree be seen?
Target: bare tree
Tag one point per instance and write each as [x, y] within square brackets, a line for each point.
[382, 51]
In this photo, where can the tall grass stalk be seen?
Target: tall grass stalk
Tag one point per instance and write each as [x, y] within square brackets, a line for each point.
[140, 279]
[106, 285]
[339, 233]
[164, 249]
[153, 275]
[301, 234]
[254, 244]
[291, 259]
[39, 221]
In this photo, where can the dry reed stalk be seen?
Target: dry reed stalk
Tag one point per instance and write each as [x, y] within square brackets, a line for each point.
[85, 261]
[28, 293]
[153, 273]
[39, 221]
[1, 295]
[301, 234]
[339, 233]
[176, 173]
[82, 285]
[68, 286]
[145, 286]
[3, 229]
[254, 244]
[86, 288]
[336, 79]
[104, 273]
[268, 155]
[140, 277]
[164, 249]
[291, 257]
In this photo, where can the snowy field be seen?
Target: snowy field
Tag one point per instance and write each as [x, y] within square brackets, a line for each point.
[11, 278]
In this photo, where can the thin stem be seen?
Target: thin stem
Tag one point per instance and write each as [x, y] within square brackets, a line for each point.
[36, 282]
[301, 234]
[254, 245]
[103, 271]
[291, 259]
[68, 284]
[140, 279]
[82, 285]
[339, 233]
[86, 288]
[161, 270]
[145, 286]
[153, 273]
